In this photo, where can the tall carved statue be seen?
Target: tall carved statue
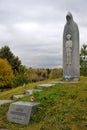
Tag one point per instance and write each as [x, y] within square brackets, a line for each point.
[71, 60]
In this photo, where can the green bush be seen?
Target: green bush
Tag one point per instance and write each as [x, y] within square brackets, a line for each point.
[20, 80]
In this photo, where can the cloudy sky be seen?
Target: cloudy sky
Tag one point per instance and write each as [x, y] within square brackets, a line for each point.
[33, 29]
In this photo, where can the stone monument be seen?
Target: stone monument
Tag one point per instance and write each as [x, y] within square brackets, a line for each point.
[71, 58]
[20, 112]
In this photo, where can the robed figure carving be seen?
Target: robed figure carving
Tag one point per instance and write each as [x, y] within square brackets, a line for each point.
[71, 60]
[68, 46]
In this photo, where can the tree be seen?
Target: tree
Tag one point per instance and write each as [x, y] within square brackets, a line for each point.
[83, 60]
[20, 78]
[31, 75]
[6, 74]
[13, 60]
[55, 73]
[42, 74]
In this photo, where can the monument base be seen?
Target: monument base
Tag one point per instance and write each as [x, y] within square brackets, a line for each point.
[75, 79]
[72, 79]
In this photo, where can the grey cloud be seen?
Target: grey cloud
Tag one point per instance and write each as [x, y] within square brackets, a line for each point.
[33, 28]
[23, 10]
[44, 61]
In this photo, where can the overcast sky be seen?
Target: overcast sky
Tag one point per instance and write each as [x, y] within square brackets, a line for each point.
[33, 29]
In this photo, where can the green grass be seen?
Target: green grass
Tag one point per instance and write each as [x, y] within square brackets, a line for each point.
[20, 90]
[63, 107]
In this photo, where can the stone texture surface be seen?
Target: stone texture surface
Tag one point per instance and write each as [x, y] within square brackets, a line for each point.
[18, 96]
[66, 82]
[5, 101]
[45, 85]
[72, 69]
[30, 92]
[20, 112]
[3, 129]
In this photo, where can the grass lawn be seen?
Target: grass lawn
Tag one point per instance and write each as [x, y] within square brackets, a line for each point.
[63, 107]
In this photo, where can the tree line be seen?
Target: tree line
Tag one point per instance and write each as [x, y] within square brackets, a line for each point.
[13, 73]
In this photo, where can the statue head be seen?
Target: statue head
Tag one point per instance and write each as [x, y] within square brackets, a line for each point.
[68, 36]
[69, 17]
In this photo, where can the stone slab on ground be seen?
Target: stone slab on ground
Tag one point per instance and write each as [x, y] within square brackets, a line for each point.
[5, 101]
[30, 92]
[3, 129]
[45, 85]
[20, 112]
[64, 82]
[18, 96]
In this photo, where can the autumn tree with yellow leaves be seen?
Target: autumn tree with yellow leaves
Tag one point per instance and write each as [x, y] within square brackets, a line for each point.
[6, 74]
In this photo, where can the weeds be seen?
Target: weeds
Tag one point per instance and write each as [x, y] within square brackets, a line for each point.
[63, 107]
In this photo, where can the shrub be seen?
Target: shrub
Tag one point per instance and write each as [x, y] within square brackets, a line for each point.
[20, 80]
